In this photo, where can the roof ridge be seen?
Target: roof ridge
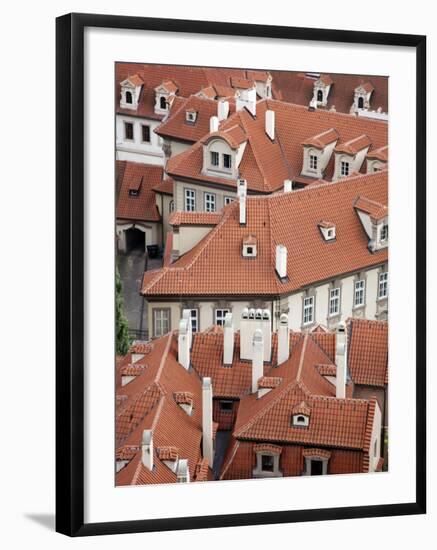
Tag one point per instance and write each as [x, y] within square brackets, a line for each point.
[302, 357]
[163, 359]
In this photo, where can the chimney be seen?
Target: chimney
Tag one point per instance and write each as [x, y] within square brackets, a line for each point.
[184, 344]
[213, 124]
[288, 187]
[228, 340]
[266, 328]
[270, 124]
[222, 110]
[186, 314]
[341, 361]
[246, 99]
[283, 339]
[147, 449]
[182, 471]
[207, 444]
[257, 359]
[242, 192]
[281, 261]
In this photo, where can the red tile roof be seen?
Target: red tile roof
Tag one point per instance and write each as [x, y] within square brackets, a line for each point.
[321, 140]
[353, 146]
[200, 271]
[266, 163]
[269, 382]
[149, 404]
[140, 178]
[165, 186]
[379, 154]
[181, 217]
[375, 209]
[295, 87]
[187, 80]
[368, 352]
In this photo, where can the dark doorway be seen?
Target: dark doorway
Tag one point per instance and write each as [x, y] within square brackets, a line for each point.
[316, 467]
[135, 240]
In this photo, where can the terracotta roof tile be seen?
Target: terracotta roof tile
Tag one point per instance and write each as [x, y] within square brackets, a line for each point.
[375, 209]
[268, 448]
[140, 178]
[269, 382]
[368, 352]
[354, 145]
[199, 272]
[379, 154]
[321, 453]
[321, 140]
[181, 217]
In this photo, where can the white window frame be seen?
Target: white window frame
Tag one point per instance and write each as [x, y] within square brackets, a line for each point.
[161, 316]
[384, 229]
[222, 315]
[131, 95]
[228, 200]
[344, 168]
[210, 202]
[190, 200]
[313, 162]
[308, 310]
[360, 291]
[227, 155]
[125, 123]
[171, 206]
[194, 316]
[214, 155]
[383, 285]
[334, 298]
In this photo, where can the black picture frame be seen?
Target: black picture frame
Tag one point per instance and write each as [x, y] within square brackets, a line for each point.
[70, 273]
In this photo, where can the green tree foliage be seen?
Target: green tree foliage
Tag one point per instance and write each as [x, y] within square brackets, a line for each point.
[123, 341]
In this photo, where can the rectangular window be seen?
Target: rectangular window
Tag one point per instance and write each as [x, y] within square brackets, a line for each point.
[313, 162]
[359, 293]
[227, 161]
[220, 315]
[383, 285]
[344, 168]
[194, 320]
[161, 322]
[316, 467]
[384, 233]
[334, 301]
[214, 158]
[226, 406]
[308, 310]
[209, 202]
[228, 200]
[128, 130]
[190, 200]
[267, 464]
[145, 130]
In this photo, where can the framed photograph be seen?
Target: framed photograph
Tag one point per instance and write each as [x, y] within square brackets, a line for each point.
[240, 322]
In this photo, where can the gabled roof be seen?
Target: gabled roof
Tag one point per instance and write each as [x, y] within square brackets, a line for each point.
[297, 87]
[379, 154]
[289, 219]
[320, 141]
[141, 178]
[367, 87]
[368, 352]
[243, 83]
[353, 146]
[188, 80]
[376, 210]
[333, 422]
[134, 80]
[151, 402]
[326, 79]
[180, 217]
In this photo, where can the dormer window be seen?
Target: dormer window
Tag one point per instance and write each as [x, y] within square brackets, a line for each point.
[300, 420]
[301, 415]
[191, 116]
[362, 94]
[313, 162]
[361, 103]
[215, 158]
[321, 90]
[130, 92]
[163, 103]
[267, 460]
[249, 247]
[227, 161]
[327, 230]
[319, 96]
[317, 151]
[164, 94]
[129, 97]
[384, 233]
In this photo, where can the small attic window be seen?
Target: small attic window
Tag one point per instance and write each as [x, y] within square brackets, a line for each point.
[191, 116]
[134, 188]
[327, 230]
[249, 247]
[129, 97]
[163, 102]
[300, 420]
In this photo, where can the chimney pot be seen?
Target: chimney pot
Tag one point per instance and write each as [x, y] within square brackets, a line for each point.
[270, 124]
[184, 342]
[257, 358]
[283, 339]
[147, 449]
[242, 191]
[288, 186]
[228, 340]
[281, 261]
[222, 110]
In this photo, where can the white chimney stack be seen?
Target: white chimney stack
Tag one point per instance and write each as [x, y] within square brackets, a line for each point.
[281, 260]
[288, 187]
[246, 99]
[270, 124]
[186, 314]
[341, 361]
[283, 339]
[213, 124]
[257, 359]
[184, 343]
[207, 443]
[242, 193]
[222, 110]
[228, 340]
[147, 449]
